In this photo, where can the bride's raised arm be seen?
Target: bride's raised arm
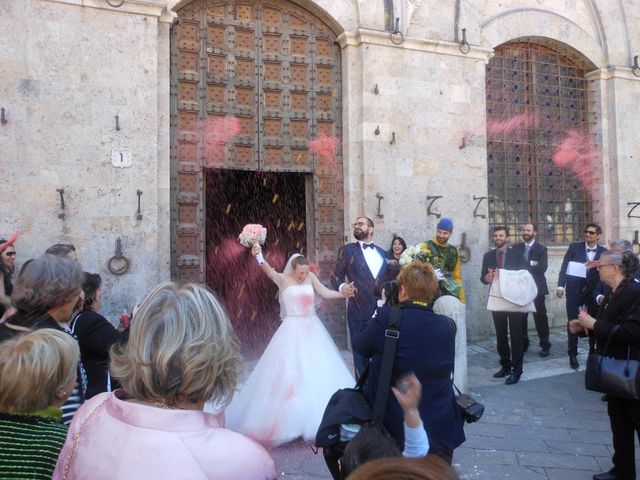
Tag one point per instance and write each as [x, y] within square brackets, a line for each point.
[256, 250]
[323, 291]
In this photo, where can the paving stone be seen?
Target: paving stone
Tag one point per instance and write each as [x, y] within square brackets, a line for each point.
[567, 474]
[512, 444]
[511, 472]
[552, 460]
[479, 456]
[570, 448]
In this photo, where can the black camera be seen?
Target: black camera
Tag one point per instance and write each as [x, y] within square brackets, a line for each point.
[390, 291]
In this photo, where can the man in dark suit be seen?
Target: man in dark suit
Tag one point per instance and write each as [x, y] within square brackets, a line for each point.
[578, 285]
[535, 254]
[361, 267]
[505, 257]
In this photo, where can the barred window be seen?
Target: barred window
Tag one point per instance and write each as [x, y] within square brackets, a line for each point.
[536, 94]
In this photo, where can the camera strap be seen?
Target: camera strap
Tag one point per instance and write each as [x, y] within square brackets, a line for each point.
[391, 336]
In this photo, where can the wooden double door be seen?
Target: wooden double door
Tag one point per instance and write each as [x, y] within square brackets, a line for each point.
[252, 84]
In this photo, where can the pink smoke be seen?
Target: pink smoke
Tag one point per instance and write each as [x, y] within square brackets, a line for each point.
[578, 153]
[325, 147]
[219, 131]
[512, 125]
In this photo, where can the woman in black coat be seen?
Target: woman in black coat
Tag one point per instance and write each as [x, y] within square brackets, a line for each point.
[95, 335]
[426, 346]
[618, 319]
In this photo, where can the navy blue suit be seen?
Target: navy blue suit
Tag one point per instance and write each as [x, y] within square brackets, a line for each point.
[509, 357]
[538, 253]
[352, 267]
[578, 291]
[426, 346]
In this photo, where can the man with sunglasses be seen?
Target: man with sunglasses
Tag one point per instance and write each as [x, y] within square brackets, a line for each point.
[578, 282]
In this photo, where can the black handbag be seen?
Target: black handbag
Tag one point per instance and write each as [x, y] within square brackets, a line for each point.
[613, 376]
[471, 409]
[350, 405]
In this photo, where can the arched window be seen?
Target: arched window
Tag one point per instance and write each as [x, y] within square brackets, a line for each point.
[537, 96]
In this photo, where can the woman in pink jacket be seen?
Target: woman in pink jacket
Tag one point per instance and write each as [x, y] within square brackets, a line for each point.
[182, 351]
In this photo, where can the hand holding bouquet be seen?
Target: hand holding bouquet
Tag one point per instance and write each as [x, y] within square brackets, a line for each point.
[252, 234]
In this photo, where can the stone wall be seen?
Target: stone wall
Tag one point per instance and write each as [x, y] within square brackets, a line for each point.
[68, 69]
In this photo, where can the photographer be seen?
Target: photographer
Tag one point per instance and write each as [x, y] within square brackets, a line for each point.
[426, 346]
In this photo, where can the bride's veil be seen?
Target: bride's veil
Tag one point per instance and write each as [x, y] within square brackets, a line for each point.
[288, 269]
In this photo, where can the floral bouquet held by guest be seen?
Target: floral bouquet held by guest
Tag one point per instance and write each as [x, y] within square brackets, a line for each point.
[252, 234]
[422, 253]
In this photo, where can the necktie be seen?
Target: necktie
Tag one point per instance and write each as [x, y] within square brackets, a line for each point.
[367, 245]
[500, 258]
[526, 252]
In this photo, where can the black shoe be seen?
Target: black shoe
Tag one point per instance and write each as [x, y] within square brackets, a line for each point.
[604, 398]
[525, 347]
[605, 476]
[503, 372]
[573, 362]
[545, 352]
[513, 378]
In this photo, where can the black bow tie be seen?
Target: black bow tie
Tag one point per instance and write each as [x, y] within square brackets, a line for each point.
[367, 245]
[592, 250]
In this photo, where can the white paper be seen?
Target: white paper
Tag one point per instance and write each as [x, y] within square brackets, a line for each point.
[577, 269]
[533, 263]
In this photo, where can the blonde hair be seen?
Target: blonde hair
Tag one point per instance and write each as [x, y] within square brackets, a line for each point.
[47, 282]
[181, 347]
[419, 280]
[33, 366]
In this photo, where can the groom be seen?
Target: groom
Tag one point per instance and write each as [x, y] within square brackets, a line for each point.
[361, 267]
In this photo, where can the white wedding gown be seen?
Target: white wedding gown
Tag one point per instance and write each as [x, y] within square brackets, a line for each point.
[285, 396]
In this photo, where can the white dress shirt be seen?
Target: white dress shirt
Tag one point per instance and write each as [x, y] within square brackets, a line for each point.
[373, 258]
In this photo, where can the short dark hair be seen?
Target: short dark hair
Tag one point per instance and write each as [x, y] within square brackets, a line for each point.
[369, 221]
[90, 285]
[596, 226]
[497, 228]
[370, 443]
[60, 249]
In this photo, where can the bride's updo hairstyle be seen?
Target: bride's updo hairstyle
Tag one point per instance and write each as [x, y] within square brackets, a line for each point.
[419, 280]
[181, 347]
[299, 260]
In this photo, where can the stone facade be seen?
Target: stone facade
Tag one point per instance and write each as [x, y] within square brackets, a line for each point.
[70, 66]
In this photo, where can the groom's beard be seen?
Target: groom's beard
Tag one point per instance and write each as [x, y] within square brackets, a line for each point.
[359, 234]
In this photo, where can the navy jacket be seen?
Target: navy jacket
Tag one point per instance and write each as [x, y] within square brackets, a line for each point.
[352, 267]
[537, 253]
[576, 286]
[426, 346]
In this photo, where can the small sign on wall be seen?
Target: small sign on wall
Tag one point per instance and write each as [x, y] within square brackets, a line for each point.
[121, 158]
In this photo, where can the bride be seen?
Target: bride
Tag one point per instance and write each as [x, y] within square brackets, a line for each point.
[285, 396]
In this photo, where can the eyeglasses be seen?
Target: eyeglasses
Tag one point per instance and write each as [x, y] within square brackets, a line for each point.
[607, 265]
[10, 254]
[591, 232]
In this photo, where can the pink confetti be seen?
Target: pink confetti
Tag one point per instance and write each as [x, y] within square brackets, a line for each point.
[325, 147]
[306, 302]
[12, 239]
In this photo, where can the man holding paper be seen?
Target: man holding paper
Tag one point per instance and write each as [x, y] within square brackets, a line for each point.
[578, 277]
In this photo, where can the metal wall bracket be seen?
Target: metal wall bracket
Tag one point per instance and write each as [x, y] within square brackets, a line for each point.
[118, 264]
[61, 192]
[139, 214]
[635, 205]
[433, 198]
[3, 116]
[475, 210]
[380, 197]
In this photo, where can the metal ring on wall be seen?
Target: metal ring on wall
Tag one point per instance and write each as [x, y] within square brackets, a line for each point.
[114, 5]
[118, 269]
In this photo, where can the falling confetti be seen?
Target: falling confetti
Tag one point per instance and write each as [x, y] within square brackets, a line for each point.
[579, 154]
[325, 147]
[219, 131]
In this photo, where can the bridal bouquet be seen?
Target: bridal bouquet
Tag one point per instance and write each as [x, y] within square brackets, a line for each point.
[252, 234]
[416, 252]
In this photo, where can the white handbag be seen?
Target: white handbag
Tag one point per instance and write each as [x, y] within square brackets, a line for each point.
[512, 291]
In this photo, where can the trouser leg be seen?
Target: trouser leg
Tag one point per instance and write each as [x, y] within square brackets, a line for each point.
[622, 416]
[502, 342]
[572, 313]
[516, 327]
[542, 321]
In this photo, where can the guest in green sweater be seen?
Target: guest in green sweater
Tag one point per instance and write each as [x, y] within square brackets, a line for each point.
[37, 373]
